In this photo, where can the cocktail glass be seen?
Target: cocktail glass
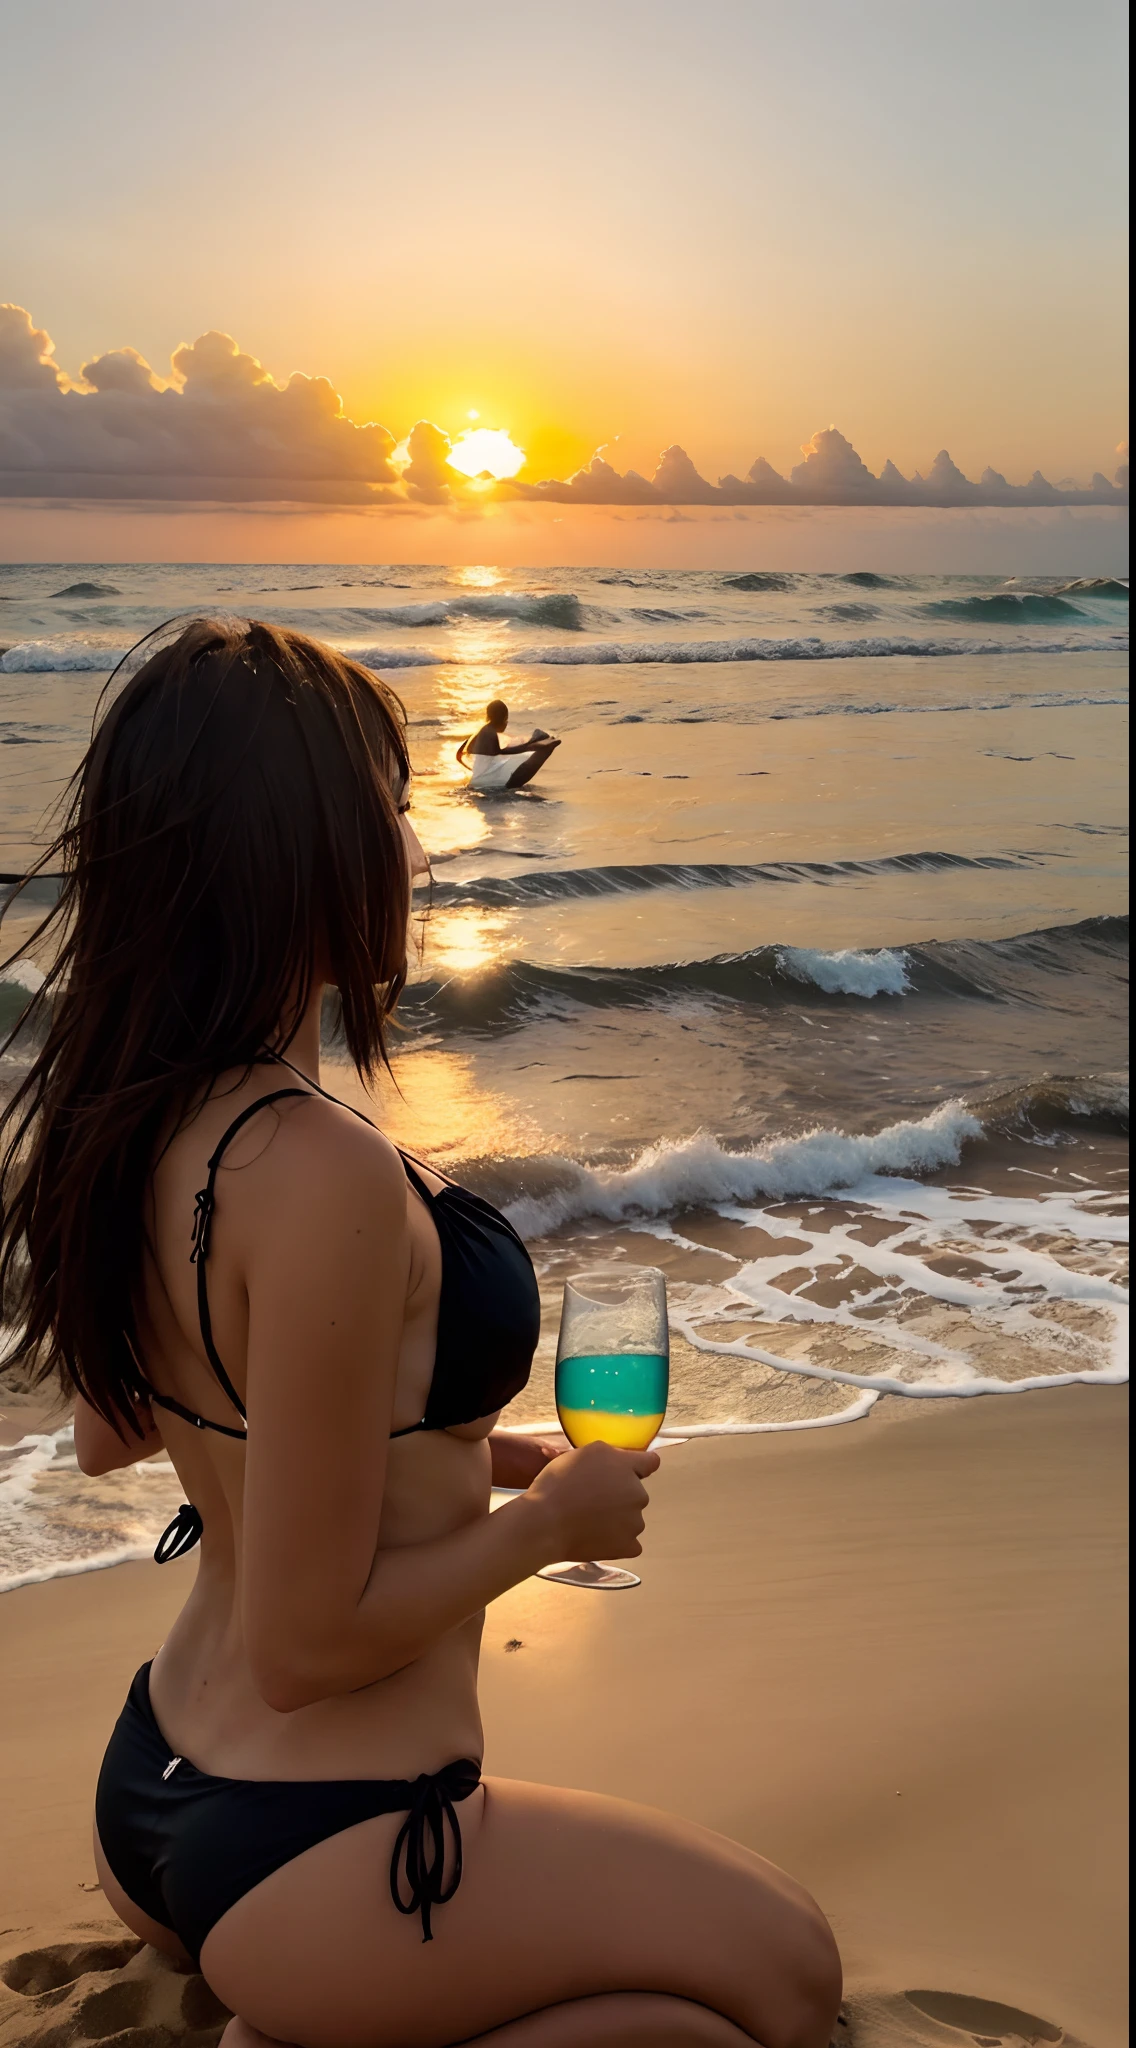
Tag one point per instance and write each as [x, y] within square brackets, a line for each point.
[612, 1378]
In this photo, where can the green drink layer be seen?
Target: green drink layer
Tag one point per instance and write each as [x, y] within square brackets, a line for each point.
[618, 1397]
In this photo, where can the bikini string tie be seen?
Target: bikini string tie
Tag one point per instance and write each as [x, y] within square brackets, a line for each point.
[181, 1535]
[420, 1845]
[202, 1214]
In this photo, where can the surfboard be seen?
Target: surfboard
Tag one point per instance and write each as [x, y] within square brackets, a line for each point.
[507, 771]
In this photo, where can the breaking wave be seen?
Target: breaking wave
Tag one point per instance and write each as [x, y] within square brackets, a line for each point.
[543, 1193]
[555, 608]
[848, 972]
[692, 1172]
[1036, 968]
[759, 579]
[1042, 969]
[93, 652]
[799, 648]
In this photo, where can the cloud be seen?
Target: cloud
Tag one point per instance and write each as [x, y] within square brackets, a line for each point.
[427, 476]
[221, 429]
[214, 363]
[598, 483]
[832, 473]
[25, 354]
[120, 369]
[678, 482]
[832, 468]
[764, 479]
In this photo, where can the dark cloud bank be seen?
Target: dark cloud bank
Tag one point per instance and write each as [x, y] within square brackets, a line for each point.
[220, 429]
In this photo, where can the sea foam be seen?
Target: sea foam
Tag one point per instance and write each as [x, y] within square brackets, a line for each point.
[55, 1522]
[802, 648]
[79, 653]
[847, 973]
[947, 1280]
[22, 974]
[84, 654]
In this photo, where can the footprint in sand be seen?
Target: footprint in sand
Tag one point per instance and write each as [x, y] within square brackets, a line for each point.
[85, 1990]
[937, 2019]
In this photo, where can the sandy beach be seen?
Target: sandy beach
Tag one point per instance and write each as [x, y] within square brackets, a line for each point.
[889, 1655]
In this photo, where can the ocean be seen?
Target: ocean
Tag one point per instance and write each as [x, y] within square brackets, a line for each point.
[800, 971]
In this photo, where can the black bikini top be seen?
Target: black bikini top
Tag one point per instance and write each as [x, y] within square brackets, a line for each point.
[488, 1311]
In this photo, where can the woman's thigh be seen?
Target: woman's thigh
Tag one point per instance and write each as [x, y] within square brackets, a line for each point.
[614, 2019]
[565, 1895]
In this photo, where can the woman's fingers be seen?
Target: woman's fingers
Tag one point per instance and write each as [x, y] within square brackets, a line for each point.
[595, 1500]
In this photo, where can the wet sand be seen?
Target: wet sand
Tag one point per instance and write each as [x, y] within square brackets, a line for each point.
[889, 1655]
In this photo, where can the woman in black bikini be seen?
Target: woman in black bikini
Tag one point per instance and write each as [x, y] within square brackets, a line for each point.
[213, 1254]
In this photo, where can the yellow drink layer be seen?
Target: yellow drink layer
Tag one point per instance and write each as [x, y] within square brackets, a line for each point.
[612, 1397]
[599, 1425]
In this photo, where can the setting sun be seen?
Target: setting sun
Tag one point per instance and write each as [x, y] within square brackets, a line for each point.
[486, 449]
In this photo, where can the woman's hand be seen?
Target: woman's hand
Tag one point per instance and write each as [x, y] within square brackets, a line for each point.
[594, 1500]
[517, 1459]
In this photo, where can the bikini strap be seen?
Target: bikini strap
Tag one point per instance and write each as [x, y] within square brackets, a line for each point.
[167, 1401]
[204, 1204]
[420, 1186]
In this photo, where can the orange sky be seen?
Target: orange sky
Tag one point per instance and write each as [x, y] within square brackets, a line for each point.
[724, 225]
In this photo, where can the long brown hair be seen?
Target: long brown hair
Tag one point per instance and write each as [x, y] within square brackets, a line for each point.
[234, 819]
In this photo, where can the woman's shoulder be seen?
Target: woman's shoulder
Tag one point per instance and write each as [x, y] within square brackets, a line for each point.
[322, 1197]
[315, 1130]
[303, 1144]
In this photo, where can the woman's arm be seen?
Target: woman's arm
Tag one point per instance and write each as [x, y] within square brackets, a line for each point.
[589, 1503]
[324, 1233]
[98, 1446]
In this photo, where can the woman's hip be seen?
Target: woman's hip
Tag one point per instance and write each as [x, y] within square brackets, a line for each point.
[185, 1845]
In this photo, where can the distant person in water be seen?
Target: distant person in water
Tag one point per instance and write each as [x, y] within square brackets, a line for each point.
[488, 739]
[487, 752]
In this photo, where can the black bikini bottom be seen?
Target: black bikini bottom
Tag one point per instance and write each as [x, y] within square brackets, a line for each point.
[185, 1846]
